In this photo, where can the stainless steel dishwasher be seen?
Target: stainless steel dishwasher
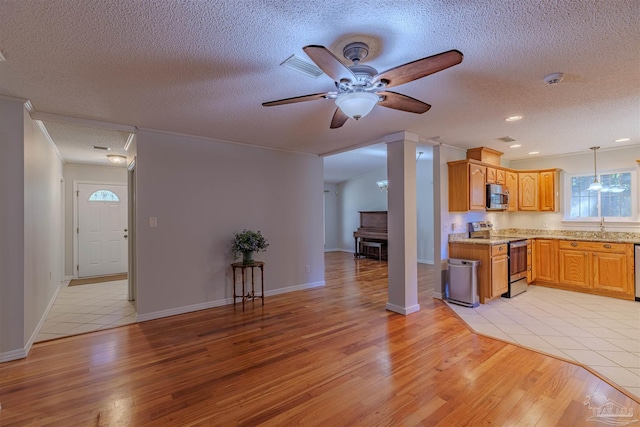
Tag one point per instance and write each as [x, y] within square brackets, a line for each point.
[462, 282]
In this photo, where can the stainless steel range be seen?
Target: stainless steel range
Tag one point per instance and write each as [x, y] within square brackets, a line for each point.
[517, 255]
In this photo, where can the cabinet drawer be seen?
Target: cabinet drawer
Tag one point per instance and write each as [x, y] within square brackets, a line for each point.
[593, 246]
[499, 249]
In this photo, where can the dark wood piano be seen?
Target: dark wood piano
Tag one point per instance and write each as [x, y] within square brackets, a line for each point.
[373, 228]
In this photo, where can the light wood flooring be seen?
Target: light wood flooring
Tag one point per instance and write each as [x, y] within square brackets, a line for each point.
[330, 356]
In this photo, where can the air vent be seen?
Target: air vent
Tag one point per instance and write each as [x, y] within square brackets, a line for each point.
[506, 139]
[296, 63]
[97, 147]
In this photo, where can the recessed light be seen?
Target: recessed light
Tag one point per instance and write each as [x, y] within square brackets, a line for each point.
[513, 118]
[534, 152]
[622, 140]
[515, 146]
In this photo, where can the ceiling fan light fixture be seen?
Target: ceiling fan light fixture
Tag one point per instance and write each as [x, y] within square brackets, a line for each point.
[116, 158]
[357, 104]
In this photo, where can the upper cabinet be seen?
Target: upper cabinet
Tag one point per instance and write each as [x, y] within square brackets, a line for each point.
[477, 187]
[533, 190]
[511, 182]
[528, 191]
[548, 187]
[467, 183]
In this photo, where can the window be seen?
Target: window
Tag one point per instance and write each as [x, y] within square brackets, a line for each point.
[614, 201]
[104, 196]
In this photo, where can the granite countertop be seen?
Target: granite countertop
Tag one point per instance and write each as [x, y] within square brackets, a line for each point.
[498, 239]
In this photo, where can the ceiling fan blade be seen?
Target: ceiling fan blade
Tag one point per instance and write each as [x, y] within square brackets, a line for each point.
[329, 63]
[293, 100]
[419, 68]
[339, 119]
[398, 101]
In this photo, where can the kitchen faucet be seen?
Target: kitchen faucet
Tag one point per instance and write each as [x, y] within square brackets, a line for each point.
[602, 225]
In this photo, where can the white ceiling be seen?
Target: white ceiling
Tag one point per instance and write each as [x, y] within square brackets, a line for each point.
[204, 68]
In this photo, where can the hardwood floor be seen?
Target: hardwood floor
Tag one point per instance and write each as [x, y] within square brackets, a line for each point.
[330, 356]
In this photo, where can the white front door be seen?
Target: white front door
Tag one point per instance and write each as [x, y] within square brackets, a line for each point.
[102, 229]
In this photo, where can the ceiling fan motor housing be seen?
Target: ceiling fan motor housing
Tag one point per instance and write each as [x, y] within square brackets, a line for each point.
[356, 51]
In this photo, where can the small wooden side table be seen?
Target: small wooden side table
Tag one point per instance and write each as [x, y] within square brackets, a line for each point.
[245, 295]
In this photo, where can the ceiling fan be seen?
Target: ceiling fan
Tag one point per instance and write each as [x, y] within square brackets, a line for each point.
[360, 87]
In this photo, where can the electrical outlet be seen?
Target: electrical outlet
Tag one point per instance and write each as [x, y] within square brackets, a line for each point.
[153, 221]
[307, 269]
[545, 224]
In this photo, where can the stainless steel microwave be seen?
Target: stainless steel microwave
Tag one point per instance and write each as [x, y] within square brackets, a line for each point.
[497, 197]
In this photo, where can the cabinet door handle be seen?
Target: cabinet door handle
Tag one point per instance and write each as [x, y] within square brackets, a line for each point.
[607, 246]
[574, 244]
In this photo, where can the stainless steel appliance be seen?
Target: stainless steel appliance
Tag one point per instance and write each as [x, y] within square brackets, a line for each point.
[497, 197]
[517, 268]
[480, 229]
[637, 267]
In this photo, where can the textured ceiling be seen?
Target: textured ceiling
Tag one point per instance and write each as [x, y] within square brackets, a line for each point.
[204, 68]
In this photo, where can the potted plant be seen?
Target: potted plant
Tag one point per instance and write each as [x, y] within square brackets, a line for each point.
[246, 243]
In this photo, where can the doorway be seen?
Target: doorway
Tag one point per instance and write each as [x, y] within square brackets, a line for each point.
[101, 229]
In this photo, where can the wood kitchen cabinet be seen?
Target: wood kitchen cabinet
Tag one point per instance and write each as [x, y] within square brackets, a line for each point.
[493, 271]
[528, 191]
[532, 190]
[603, 268]
[546, 260]
[496, 176]
[511, 182]
[467, 186]
[499, 270]
[548, 190]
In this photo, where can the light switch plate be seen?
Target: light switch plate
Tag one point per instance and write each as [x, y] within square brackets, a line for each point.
[153, 221]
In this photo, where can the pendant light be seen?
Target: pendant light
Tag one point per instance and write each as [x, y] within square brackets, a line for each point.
[595, 185]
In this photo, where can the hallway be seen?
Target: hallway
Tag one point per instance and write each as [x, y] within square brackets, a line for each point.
[88, 308]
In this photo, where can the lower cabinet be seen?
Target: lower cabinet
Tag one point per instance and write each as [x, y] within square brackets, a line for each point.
[493, 272]
[499, 275]
[546, 260]
[603, 268]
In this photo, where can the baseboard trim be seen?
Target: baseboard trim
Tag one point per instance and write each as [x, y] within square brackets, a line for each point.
[437, 295]
[211, 304]
[403, 310]
[350, 251]
[8, 356]
[36, 331]
[425, 261]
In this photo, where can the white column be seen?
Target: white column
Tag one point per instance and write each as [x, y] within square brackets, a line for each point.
[402, 223]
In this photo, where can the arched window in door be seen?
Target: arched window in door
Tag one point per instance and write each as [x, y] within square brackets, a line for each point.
[104, 196]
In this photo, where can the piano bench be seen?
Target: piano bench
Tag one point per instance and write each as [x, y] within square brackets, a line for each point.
[377, 245]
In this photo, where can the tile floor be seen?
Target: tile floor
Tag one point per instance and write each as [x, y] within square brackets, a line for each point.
[87, 308]
[599, 332]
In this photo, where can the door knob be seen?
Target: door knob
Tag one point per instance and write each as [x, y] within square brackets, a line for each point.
[125, 236]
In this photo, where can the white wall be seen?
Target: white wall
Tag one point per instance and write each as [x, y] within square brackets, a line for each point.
[358, 194]
[201, 192]
[85, 173]
[331, 219]
[424, 202]
[42, 226]
[30, 228]
[11, 229]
